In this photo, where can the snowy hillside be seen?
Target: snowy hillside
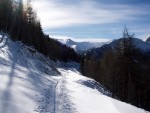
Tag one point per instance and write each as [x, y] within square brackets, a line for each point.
[31, 83]
[81, 46]
[26, 85]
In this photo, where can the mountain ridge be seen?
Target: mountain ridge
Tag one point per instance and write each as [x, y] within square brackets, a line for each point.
[81, 46]
[97, 52]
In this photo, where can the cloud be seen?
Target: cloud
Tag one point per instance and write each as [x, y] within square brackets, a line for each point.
[80, 39]
[56, 14]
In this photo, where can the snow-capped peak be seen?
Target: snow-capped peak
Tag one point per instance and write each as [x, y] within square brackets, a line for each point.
[80, 46]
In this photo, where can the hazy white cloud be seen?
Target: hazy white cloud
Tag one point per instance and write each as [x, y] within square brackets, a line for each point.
[80, 39]
[55, 15]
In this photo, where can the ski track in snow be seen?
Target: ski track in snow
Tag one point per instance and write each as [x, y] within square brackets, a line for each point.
[63, 100]
[30, 83]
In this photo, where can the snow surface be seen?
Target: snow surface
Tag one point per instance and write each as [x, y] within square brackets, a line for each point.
[24, 86]
[88, 99]
[30, 83]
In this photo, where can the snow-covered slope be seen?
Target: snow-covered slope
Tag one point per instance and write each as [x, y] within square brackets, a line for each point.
[87, 96]
[26, 85]
[81, 46]
[30, 83]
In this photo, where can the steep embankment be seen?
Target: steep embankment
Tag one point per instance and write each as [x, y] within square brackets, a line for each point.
[27, 85]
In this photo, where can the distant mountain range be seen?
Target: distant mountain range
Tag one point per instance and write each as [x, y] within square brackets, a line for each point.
[96, 53]
[95, 49]
[83, 46]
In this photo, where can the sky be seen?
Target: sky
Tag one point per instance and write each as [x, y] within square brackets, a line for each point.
[94, 19]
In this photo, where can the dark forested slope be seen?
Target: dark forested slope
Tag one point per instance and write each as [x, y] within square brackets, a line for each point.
[122, 67]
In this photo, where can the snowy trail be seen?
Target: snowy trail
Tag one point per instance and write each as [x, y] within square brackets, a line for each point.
[85, 96]
[63, 100]
[28, 82]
